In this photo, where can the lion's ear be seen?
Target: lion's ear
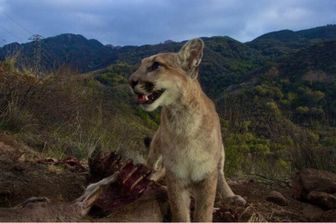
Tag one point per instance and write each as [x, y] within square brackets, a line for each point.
[190, 56]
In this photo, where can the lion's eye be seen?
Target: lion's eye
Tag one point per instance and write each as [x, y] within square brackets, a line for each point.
[154, 66]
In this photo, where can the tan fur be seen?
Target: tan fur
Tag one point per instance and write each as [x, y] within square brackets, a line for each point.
[188, 144]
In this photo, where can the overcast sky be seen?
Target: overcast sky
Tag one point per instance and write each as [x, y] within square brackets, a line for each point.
[137, 22]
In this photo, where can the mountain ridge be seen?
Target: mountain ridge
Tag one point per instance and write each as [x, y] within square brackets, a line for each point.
[284, 42]
[65, 49]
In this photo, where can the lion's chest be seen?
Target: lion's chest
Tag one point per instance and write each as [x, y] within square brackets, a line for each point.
[188, 158]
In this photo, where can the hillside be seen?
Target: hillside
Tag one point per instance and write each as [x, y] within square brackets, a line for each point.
[71, 114]
[275, 96]
[284, 42]
[287, 109]
[313, 63]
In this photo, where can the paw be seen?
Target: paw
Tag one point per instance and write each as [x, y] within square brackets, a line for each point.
[235, 200]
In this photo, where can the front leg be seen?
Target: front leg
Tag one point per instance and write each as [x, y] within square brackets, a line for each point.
[179, 199]
[205, 193]
[154, 160]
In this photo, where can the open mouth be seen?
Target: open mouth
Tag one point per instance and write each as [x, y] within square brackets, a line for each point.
[149, 98]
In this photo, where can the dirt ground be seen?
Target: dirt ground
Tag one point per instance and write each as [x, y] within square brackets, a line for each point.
[256, 193]
[22, 176]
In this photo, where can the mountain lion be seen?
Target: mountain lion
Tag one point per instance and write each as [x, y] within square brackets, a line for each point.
[188, 143]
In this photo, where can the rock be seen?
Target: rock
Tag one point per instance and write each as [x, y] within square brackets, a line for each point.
[313, 180]
[322, 199]
[312, 213]
[277, 198]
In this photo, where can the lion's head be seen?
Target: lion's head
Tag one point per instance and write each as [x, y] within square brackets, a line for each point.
[161, 79]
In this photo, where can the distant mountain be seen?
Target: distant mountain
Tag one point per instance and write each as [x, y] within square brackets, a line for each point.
[67, 49]
[284, 42]
[226, 61]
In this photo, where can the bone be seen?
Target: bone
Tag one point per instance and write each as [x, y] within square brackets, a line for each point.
[40, 209]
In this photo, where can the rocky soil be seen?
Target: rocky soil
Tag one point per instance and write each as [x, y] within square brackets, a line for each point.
[310, 197]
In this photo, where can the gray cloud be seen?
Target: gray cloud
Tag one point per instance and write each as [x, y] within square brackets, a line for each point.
[135, 22]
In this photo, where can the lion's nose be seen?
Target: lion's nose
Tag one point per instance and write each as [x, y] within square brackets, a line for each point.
[133, 83]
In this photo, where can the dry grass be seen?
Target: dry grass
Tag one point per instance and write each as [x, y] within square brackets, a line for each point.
[68, 114]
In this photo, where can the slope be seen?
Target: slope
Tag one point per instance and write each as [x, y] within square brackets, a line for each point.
[284, 42]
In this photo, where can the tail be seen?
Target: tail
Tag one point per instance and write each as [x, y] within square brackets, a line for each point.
[223, 189]
[224, 192]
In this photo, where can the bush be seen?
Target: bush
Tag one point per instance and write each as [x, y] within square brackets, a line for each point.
[309, 157]
[13, 118]
[302, 109]
[244, 151]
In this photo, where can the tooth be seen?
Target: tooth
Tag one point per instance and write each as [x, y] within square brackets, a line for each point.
[146, 97]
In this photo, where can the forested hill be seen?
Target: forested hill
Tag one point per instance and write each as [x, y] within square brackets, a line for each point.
[284, 42]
